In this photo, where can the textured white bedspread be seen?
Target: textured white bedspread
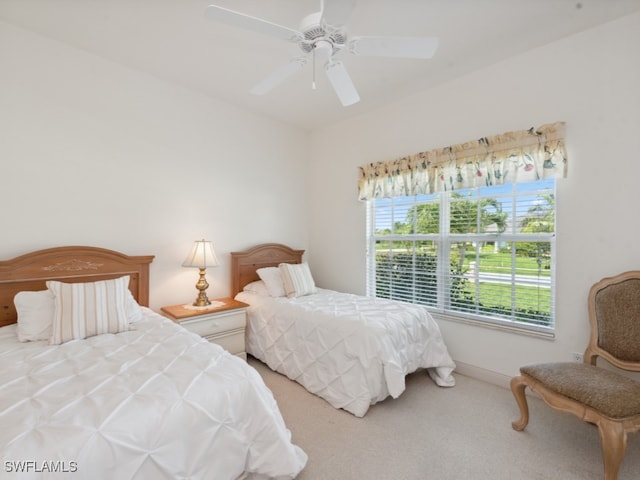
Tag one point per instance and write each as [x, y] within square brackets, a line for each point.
[155, 403]
[351, 350]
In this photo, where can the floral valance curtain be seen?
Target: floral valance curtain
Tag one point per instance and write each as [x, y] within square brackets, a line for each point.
[520, 156]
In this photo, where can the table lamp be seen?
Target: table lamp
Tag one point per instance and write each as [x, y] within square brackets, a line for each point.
[201, 256]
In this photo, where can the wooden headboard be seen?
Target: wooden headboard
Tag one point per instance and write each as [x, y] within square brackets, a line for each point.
[30, 272]
[244, 264]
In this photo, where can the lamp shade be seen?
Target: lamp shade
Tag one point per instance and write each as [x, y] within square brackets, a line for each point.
[201, 255]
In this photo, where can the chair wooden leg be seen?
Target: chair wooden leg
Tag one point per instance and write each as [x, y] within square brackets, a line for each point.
[518, 384]
[613, 440]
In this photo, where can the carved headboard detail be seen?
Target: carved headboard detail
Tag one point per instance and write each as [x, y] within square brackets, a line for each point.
[31, 271]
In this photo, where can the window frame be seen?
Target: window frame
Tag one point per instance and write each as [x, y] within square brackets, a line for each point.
[443, 241]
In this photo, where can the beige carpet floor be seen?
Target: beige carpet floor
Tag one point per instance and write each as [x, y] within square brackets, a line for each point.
[437, 433]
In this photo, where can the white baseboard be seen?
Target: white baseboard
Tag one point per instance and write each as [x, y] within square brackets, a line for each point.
[483, 374]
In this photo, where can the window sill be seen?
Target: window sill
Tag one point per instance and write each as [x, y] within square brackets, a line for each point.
[531, 331]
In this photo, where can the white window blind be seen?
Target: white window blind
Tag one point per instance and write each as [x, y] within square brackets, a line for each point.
[483, 253]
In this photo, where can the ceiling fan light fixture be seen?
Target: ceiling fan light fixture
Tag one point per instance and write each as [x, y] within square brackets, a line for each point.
[322, 51]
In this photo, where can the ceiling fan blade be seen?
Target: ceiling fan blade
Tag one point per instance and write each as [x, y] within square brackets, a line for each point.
[341, 82]
[237, 19]
[279, 76]
[401, 47]
[336, 12]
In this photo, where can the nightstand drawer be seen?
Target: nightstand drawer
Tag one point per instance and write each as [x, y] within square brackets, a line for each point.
[210, 325]
[232, 341]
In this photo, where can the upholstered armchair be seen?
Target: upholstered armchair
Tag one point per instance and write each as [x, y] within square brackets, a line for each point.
[596, 393]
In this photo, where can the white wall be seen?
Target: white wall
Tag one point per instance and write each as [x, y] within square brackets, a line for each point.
[93, 153]
[591, 81]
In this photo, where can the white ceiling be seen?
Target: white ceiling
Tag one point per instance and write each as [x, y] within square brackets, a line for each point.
[172, 40]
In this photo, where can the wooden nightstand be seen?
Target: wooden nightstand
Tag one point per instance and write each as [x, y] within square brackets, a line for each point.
[224, 324]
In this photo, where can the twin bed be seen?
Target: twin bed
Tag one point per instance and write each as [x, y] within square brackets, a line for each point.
[351, 350]
[96, 384]
[148, 400]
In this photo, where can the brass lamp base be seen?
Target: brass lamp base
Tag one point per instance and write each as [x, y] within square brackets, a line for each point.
[202, 285]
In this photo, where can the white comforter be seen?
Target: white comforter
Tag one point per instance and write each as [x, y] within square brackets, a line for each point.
[351, 350]
[155, 403]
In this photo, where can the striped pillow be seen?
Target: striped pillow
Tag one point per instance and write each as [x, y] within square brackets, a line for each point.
[297, 279]
[86, 309]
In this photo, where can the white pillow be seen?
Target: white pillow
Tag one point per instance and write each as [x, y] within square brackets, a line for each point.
[35, 315]
[258, 287]
[297, 279]
[272, 278]
[86, 309]
[134, 312]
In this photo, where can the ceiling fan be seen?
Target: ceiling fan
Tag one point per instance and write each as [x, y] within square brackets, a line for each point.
[322, 36]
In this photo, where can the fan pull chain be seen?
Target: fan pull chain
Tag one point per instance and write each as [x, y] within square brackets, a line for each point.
[313, 80]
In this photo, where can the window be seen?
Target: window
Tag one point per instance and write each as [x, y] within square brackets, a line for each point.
[482, 253]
